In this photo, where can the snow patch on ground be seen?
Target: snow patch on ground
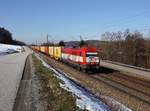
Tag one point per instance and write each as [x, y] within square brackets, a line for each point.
[6, 49]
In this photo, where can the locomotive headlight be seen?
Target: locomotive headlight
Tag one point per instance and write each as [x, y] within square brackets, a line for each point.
[96, 59]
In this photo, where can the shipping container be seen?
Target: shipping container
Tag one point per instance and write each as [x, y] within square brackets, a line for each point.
[51, 51]
[57, 52]
[42, 49]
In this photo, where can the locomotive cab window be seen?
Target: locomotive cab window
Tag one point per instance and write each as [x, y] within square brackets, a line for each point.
[88, 54]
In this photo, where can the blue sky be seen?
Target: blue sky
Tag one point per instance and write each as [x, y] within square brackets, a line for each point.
[31, 20]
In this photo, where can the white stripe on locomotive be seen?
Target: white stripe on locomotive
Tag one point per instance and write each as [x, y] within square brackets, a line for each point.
[72, 57]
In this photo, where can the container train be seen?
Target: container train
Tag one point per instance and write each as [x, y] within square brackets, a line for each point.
[85, 58]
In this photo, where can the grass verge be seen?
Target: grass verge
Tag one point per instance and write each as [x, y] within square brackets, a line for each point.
[58, 99]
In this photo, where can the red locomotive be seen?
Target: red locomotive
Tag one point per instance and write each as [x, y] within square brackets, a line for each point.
[84, 58]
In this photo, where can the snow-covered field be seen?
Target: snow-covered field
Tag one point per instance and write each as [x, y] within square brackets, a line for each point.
[7, 49]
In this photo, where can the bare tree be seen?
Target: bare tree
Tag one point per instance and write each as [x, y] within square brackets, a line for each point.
[126, 47]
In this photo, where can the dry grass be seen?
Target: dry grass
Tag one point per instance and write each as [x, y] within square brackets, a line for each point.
[58, 99]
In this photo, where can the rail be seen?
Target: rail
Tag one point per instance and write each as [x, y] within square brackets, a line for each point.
[126, 65]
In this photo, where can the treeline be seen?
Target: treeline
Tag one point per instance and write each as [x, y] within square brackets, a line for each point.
[6, 38]
[126, 47]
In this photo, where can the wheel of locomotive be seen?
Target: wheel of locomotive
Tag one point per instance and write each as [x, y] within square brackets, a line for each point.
[97, 69]
[79, 67]
[84, 70]
[87, 70]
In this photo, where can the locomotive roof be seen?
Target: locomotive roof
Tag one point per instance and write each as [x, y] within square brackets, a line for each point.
[81, 48]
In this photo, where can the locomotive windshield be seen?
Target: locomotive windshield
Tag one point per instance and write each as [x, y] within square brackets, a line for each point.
[88, 54]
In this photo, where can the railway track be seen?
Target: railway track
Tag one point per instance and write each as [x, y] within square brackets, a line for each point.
[124, 87]
[133, 80]
[136, 89]
[126, 65]
[134, 71]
